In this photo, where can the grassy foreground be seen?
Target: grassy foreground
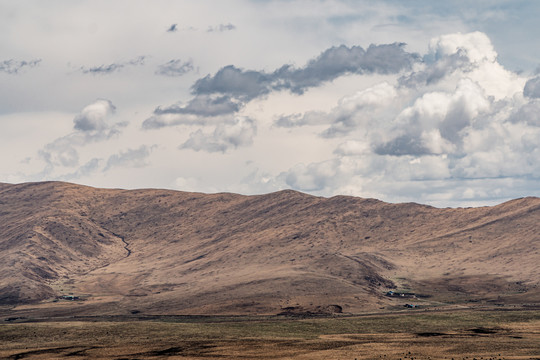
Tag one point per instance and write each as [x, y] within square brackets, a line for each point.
[458, 335]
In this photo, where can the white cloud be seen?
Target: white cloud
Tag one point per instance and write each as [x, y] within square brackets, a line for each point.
[224, 137]
[93, 118]
[91, 125]
[359, 110]
[476, 46]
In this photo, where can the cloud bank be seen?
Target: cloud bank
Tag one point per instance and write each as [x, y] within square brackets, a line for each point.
[457, 120]
[449, 124]
[217, 98]
[331, 64]
[230, 88]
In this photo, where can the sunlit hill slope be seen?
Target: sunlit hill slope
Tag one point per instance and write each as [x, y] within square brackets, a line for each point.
[169, 252]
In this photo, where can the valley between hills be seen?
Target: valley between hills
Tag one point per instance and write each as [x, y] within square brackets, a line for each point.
[72, 250]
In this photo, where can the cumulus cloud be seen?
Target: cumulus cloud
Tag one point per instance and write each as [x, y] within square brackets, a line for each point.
[92, 124]
[476, 46]
[439, 67]
[529, 114]
[236, 82]
[12, 66]
[221, 28]
[458, 119]
[532, 88]
[175, 67]
[433, 124]
[464, 56]
[201, 110]
[93, 117]
[359, 110]
[224, 137]
[452, 124]
[113, 67]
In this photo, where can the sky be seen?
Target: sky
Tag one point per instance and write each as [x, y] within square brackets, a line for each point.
[404, 101]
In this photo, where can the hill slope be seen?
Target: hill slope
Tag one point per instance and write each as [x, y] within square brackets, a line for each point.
[160, 251]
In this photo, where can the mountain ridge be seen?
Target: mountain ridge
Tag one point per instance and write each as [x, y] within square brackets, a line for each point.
[165, 251]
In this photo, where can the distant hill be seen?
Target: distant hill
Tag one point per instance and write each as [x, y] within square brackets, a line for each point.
[169, 252]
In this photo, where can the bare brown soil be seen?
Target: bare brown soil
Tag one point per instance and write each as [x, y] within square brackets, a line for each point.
[166, 252]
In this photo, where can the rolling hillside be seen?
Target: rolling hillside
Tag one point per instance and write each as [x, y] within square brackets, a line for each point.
[169, 252]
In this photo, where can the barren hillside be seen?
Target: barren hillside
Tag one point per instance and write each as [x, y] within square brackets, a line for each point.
[159, 251]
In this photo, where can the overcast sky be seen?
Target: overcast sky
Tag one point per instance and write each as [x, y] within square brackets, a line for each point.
[424, 101]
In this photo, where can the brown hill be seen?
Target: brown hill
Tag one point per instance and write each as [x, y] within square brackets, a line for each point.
[170, 252]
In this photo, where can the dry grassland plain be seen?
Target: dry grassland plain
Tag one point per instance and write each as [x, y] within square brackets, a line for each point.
[446, 335]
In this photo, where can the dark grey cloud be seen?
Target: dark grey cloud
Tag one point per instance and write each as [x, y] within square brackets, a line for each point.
[172, 28]
[221, 28]
[338, 61]
[230, 88]
[532, 88]
[90, 125]
[236, 82]
[175, 67]
[130, 158]
[15, 67]
[224, 137]
[456, 119]
[203, 106]
[528, 114]
[331, 64]
[196, 111]
[110, 68]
